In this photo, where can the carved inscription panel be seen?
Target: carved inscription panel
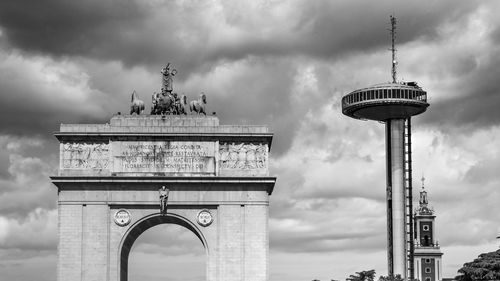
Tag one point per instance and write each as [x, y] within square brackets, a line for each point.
[169, 157]
[84, 156]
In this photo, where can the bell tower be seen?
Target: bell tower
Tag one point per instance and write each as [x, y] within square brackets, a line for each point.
[428, 264]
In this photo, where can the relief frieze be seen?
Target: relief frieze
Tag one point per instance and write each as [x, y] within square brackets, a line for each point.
[243, 156]
[85, 156]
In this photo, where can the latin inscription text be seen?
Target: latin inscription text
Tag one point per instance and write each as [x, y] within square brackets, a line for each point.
[167, 157]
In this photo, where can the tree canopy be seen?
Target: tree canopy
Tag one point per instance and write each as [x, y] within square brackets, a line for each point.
[485, 267]
[397, 277]
[366, 275]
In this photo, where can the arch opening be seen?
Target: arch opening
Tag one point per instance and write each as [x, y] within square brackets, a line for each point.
[145, 224]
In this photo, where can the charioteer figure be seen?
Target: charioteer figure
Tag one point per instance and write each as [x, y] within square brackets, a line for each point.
[168, 80]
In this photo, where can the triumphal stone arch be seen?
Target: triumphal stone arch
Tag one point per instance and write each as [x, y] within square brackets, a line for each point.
[116, 180]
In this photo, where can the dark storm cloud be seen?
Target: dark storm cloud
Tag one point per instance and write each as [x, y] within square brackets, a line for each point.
[66, 27]
[31, 110]
[26, 185]
[146, 33]
[110, 30]
[473, 103]
[262, 95]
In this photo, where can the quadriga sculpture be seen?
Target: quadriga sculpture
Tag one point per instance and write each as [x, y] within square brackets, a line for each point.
[198, 106]
[167, 102]
[137, 105]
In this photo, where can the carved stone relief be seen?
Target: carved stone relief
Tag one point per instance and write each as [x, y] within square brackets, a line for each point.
[85, 156]
[243, 156]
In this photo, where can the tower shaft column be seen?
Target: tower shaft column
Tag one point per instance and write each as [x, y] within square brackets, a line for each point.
[396, 196]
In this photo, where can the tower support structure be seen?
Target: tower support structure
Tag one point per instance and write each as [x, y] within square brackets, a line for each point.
[410, 246]
[395, 131]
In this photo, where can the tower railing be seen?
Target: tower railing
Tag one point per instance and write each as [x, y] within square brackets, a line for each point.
[432, 245]
[396, 91]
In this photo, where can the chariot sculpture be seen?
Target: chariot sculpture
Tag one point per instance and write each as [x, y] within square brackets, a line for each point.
[166, 102]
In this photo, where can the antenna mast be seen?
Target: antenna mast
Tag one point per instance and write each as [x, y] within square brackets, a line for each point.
[393, 48]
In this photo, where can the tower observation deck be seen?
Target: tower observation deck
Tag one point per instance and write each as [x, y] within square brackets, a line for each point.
[394, 104]
[385, 101]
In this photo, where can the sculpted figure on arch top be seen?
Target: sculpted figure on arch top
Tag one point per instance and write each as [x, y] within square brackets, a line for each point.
[166, 102]
[167, 81]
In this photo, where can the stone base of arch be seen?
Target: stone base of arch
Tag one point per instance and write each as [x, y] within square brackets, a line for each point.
[92, 246]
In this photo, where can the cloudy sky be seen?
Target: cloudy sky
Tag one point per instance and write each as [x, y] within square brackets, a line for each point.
[281, 63]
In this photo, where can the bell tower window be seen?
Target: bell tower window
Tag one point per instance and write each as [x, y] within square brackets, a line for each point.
[426, 241]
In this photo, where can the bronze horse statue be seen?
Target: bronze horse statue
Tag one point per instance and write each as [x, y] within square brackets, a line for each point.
[137, 105]
[182, 105]
[198, 106]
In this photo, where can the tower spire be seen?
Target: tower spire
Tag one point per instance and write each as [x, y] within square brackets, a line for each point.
[423, 202]
[393, 48]
[423, 195]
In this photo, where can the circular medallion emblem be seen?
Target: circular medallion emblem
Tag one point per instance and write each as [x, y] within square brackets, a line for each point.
[122, 217]
[205, 218]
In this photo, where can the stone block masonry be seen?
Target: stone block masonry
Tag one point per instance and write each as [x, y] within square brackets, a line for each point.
[119, 167]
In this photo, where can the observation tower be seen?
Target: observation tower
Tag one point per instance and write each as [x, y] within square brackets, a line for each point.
[394, 104]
